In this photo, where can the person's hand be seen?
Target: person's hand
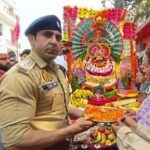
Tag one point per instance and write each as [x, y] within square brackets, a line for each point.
[124, 121]
[128, 121]
[131, 113]
[83, 124]
[75, 112]
[117, 126]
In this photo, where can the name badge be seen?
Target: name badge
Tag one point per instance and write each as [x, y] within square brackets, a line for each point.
[50, 86]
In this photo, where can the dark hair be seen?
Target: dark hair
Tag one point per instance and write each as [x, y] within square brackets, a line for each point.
[141, 72]
[147, 53]
[11, 54]
[25, 51]
[65, 51]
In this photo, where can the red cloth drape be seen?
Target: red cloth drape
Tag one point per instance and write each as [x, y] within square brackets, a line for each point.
[15, 32]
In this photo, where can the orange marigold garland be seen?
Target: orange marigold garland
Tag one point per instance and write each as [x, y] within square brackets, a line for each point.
[69, 57]
[134, 63]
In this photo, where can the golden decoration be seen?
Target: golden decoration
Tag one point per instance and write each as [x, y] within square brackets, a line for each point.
[47, 76]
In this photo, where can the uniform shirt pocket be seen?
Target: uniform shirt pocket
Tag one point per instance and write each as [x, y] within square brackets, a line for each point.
[58, 101]
[45, 102]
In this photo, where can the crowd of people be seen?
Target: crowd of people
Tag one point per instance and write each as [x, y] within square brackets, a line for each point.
[7, 60]
[34, 105]
[133, 130]
[141, 85]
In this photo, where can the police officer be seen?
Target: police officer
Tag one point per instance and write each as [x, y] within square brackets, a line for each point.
[34, 103]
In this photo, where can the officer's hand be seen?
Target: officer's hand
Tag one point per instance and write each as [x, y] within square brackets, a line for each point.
[83, 124]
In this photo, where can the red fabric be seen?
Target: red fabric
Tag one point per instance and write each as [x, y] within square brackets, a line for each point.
[102, 101]
[15, 32]
[1, 73]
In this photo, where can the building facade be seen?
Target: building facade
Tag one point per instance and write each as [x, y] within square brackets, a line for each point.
[7, 24]
[143, 37]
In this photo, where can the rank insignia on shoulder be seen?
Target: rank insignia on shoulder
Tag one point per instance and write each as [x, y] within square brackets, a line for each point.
[26, 65]
[46, 76]
[49, 86]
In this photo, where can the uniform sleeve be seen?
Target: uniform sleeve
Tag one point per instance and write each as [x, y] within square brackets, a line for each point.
[128, 139]
[143, 132]
[17, 106]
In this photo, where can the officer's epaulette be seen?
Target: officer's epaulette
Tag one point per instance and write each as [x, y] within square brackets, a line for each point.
[26, 65]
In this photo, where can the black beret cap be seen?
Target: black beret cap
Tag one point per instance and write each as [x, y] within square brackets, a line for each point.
[49, 22]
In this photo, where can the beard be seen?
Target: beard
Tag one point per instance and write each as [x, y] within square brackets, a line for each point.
[5, 67]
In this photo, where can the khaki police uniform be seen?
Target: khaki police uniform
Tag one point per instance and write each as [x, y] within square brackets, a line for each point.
[32, 96]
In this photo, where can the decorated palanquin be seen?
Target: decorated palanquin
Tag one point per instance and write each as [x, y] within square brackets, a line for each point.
[102, 62]
[102, 55]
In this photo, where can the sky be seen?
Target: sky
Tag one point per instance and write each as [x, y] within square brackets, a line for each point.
[29, 10]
